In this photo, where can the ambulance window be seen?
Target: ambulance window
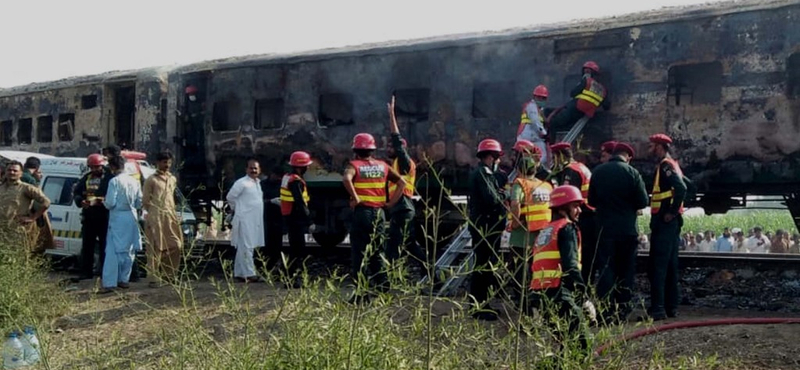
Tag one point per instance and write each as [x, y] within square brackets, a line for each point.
[25, 131]
[44, 129]
[59, 189]
[7, 133]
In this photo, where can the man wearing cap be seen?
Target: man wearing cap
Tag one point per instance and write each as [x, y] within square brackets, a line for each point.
[571, 172]
[666, 208]
[401, 216]
[617, 192]
[294, 209]
[487, 222]
[606, 150]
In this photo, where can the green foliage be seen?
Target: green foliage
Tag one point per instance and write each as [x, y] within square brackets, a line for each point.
[769, 220]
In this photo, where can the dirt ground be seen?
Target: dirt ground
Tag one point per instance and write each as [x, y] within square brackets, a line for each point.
[129, 324]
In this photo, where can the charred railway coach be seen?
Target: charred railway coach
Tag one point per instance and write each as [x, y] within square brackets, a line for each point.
[723, 80]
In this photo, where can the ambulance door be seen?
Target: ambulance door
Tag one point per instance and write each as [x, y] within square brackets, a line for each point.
[64, 215]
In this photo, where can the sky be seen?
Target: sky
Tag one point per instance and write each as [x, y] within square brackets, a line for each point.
[52, 39]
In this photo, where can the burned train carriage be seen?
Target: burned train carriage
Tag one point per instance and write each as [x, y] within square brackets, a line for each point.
[722, 80]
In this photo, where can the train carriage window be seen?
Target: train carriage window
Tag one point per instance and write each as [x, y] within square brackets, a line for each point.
[412, 105]
[793, 76]
[25, 131]
[88, 101]
[66, 126]
[496, 100]
[269, 114]
[694, 84]
[7, 133]
[335, 110]
[226, 116]
[44, 129]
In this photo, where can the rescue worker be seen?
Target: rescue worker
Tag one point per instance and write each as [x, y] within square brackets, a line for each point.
[487, 217]
[162, 227]
[607, 151]
[572, 172]
[528, 211]
[401, 216]
[617, 192]
[294, 209]
[666, 208]
[531, 124]
[88, 194]
[587, 96]
[16, 200]
[556, 282]
[365, 179]
[123, 199]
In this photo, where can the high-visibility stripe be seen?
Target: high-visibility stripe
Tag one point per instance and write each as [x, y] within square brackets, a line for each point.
[286, 197]
[663, 195]
[372, 198]
[657, 196]
[583, 95]
[584, 187]
[547, 255]
[538, 217]
[369, 185]
[410, 178]
[546, 274]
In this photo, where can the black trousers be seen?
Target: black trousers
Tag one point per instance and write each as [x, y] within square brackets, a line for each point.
[297, 245]
[556, 304]
[401, 237]
[616, 264]
[565, 119]
[94, 230]
[662, 267]
[588, 226]
[486, 243]
[366, 245]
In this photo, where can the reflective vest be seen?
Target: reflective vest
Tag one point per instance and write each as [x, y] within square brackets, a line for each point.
[586, 177]
[524, 119]
[591, 97]
[370, 181]
[92, 185]
[535, 208]
[287, 200]
[410, 178]
[658, 196]
[546, 267]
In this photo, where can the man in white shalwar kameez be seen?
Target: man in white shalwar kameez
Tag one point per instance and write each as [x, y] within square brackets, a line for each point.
[123, 198]
[247, 231]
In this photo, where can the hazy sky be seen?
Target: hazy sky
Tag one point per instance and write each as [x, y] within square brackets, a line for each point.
[52, 39]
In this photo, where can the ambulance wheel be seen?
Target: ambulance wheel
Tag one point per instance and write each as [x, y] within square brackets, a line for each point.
[329, 240]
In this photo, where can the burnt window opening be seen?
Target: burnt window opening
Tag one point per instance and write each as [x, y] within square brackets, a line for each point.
[25, 131]
[44, 129]
[496, 100]
[412, 105]
[66, 127]
[88, 101]
[226, 116]
[335, 110]
[268, 114]
[6, 133]
[793, 76]
[694, 84]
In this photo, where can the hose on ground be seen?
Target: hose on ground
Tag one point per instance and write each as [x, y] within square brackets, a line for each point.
[697, 324]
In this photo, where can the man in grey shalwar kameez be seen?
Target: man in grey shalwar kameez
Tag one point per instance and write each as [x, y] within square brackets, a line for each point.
[247, 231]
[123, 198]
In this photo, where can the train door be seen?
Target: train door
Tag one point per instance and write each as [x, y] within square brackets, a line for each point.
[124, 116]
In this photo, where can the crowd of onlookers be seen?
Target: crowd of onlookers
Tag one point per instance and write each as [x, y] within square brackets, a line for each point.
[735, 240]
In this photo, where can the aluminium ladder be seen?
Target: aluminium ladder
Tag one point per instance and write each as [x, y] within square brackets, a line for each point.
[455, 264]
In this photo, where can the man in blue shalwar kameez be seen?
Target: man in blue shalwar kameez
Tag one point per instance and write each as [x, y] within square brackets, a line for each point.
[123, 198]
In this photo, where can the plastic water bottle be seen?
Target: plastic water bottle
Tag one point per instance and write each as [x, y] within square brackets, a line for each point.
[30, 345]
[13, 353]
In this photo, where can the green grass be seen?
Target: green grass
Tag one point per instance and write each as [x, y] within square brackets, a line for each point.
[771, 220]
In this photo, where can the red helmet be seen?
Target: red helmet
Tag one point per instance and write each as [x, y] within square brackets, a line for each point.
[525, 146]
[560, 146]
[660, 139]
[300, 159]
[565, 194]
[592, 65]
[191, 90]
[95, 160]
[490, 145]
[541, 91]
[364, 141]
[608, 146]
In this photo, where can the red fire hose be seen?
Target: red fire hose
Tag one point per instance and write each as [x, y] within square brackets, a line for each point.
[697, 324]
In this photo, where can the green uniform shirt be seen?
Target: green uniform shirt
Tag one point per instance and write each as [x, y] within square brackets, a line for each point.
[403, 165]
[571, 278]
[485, 197]
[617, 192]
[28, 178]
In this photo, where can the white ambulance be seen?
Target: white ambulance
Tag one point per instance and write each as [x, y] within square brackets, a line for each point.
[59, 178]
